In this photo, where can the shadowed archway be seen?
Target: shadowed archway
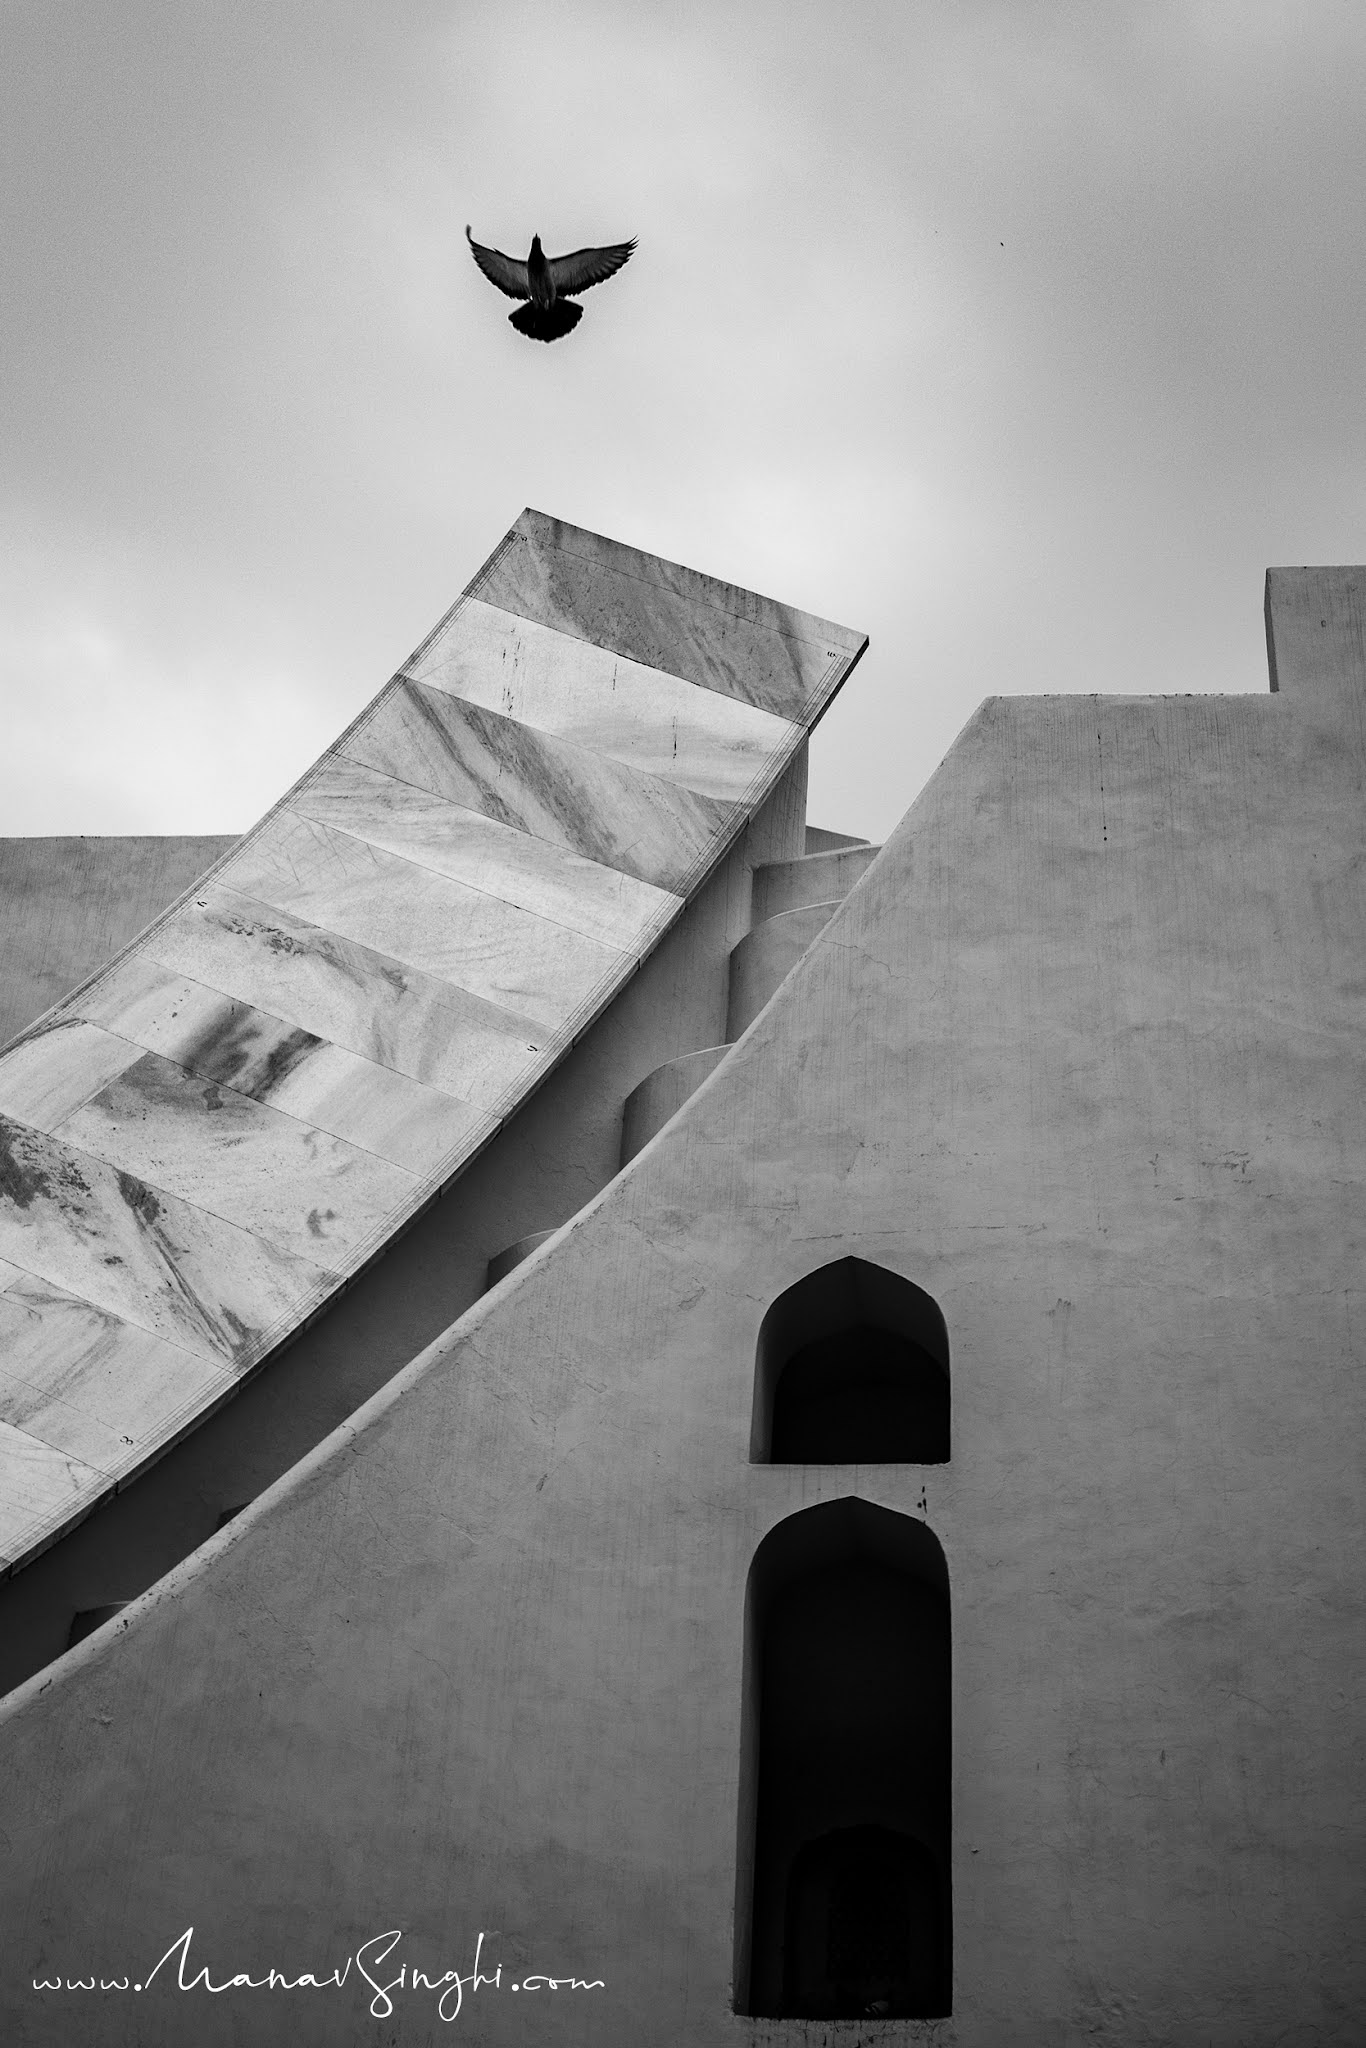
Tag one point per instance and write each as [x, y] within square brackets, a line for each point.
[852, 1368]
[843, 1905]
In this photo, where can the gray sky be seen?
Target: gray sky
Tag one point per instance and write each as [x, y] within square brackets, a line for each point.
[1023, 336]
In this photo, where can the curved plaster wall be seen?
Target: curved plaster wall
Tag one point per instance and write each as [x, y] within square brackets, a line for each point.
[662, 1094]
[507, 1261]
[767, 956]
[813, 878]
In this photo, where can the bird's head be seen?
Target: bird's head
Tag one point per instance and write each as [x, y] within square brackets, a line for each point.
[536, 249]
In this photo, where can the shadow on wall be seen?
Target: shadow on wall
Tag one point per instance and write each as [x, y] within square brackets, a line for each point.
[843, 1905]
[853, 1368]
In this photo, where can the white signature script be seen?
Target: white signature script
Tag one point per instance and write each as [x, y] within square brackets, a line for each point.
[372, 1955]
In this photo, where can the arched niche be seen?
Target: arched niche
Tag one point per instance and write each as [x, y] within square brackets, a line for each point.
[843, 1892]
[852, 1368]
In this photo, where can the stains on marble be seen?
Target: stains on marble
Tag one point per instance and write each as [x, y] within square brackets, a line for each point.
[565, 794]
[289, 1183]
[47, 1074]
[29, 1176]
[356, 996]
[647, 719]
[152, 1259]
[246, 1053]
[712, 633]
[221, 1039]
[198, 1027]
[506, 956]
[583, 895]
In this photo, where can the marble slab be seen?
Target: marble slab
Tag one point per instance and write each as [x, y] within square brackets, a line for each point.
[641, 716]
[154, 1260]
[418, 1128]
[44, 1489]
[507, 956]
[90, 1384]
[288, 1182]
[360, 997]
[155, 1009]
[659, 613]
[565, 794]
[224, 1040]
[51, 1072]
[583, 895]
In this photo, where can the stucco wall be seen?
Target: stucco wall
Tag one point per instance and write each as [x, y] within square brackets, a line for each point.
[1081, 1056]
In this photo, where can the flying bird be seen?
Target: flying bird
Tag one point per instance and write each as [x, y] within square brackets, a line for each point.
[548, 281]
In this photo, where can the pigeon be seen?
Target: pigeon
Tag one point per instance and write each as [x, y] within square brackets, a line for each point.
[546, 281]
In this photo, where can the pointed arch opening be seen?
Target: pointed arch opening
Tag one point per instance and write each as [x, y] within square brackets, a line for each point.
[843, 1903]
[852, 1368]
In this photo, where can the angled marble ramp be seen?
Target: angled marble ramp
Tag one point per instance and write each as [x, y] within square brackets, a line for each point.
[205, 1142]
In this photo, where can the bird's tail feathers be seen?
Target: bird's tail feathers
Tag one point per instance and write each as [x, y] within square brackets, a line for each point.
[546, 323]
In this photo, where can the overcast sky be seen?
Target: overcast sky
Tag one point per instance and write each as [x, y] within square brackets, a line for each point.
[1021, 336]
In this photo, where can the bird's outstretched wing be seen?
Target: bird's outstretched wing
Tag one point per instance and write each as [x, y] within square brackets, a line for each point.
[576, 272]
[505, 271]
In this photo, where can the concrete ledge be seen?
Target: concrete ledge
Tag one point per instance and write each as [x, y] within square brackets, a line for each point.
[1316, 643]
[815, 878]
[662, 1094]
[88, 1619]
[818, 840]
[767, 956]
[502, 1263]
